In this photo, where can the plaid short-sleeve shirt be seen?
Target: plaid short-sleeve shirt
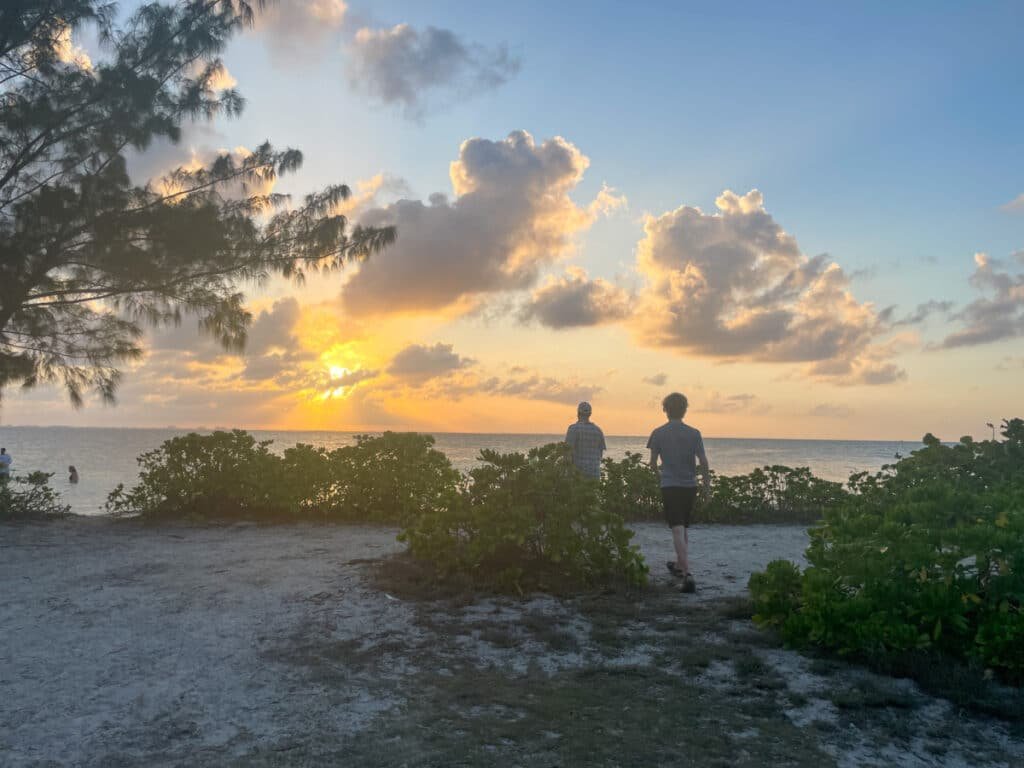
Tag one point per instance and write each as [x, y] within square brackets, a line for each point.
[587, 443]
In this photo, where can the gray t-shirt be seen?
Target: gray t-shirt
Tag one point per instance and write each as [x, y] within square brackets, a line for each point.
[678, 445]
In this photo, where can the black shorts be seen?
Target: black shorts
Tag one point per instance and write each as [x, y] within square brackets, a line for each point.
[678, 503]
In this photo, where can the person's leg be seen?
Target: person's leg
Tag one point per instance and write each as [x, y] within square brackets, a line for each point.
[681, 541]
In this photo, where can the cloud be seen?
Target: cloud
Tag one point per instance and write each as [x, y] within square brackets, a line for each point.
[512, 215]
[831, 411]
[296, 31]
[657, 380]
[734, 285]
[716, 402]
[919, 315]
[69, 52]
[404, 66]
[1014, 206]
[573, 301]
[351, 378]
[995, 317]
[1010, 363]
[419, 363]
[532, 387]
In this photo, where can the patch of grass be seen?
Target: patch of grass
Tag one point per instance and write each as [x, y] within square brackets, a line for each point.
[598, 716]
[735, 608]
[872, 694]
[964, 685]
[754, 671]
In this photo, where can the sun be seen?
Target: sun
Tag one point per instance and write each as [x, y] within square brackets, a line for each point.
[337, 373]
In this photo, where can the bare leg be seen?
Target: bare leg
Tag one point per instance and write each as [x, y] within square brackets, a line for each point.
[681, 540]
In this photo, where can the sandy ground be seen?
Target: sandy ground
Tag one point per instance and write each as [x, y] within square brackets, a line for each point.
[130, 645]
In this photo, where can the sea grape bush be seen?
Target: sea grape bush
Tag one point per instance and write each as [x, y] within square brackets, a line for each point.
[391, 477]
[527, 521]
[771, 494]
[926, 554]
[221, 475]
[30, 497]
[229, 475]
[630, 489]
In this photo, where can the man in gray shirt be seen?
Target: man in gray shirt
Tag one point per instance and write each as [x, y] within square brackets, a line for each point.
[587, 442]
[5, 464]
[679, 447]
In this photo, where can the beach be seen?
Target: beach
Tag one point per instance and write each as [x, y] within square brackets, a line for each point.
[131, 644]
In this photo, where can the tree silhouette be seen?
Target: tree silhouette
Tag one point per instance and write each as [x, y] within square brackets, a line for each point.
[87, 256]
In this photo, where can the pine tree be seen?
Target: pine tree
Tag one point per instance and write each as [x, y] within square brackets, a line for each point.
[87, 256]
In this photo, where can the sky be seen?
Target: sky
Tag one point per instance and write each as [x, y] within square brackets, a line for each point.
[808, 217]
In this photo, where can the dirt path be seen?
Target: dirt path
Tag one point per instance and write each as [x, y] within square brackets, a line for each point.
[129, 645]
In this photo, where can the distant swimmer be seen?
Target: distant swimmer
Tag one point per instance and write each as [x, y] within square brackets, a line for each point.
[72, 474]
[587, 442]
[5, 464]
[679, 447]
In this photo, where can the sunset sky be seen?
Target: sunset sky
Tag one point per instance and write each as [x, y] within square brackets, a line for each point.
[807, 217]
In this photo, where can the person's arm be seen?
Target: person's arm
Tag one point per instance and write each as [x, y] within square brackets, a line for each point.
[653, 445]
[705, 469]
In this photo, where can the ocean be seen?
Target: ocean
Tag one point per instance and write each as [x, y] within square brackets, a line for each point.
[105, 457]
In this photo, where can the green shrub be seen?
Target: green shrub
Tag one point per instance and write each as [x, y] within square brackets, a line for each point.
[229, 475]
[390, 478]
[526, 521]
[776, 593]
[226, 475]
[30, 497]
[630, 489]
[772, 494]
[926, 554]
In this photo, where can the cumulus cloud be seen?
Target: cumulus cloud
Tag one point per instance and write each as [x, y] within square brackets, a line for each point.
[574, 300]
[1014, 206]
[998, 315]
[297, 30]
[733, 284]
[657, 380]
[420, 363]
[273, 352]
[71, 53]
[512, 215]
[404, 66]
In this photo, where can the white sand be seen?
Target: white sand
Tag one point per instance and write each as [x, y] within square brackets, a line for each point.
[122, 644]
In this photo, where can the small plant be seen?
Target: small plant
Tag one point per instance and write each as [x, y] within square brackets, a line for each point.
[30, 497]
[526, 521]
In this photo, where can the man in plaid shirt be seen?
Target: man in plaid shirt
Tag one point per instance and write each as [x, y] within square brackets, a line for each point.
[587, 442]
